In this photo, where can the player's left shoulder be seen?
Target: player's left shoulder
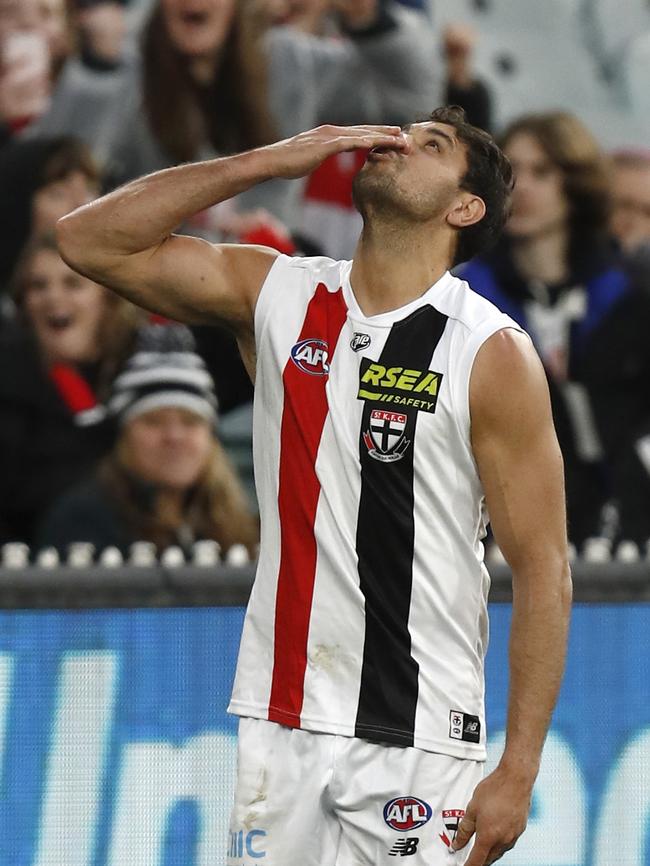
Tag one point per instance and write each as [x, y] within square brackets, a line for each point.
[508, 380]
[467, 306]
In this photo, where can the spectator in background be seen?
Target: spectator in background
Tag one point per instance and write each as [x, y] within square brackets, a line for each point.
[217, 78]
[557, 273]
[463, 86]
[56, 365]
[25, 79]
[630, 222]
[168, 479]
[102, 31]
[47, 87]
[41, 181]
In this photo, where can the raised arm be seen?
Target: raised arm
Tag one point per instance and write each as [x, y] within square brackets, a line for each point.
[125, 239]
[520, 466]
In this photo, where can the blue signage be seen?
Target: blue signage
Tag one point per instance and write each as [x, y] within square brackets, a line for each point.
[115, 746]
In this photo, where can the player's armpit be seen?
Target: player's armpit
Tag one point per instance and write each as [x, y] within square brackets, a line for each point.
[517, 452]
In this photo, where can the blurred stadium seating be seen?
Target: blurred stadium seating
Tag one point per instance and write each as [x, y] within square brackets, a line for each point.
[587, 56]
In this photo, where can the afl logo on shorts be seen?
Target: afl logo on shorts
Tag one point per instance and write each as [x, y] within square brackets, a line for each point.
[406, 813]
[310, 356]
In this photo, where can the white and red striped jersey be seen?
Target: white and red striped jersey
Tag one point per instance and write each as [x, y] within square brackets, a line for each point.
[368, 615]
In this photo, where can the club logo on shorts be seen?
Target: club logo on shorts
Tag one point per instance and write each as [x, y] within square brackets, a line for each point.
[451, 820]
[310, 356]
[385, 439]
[359, 341]
[406, 813]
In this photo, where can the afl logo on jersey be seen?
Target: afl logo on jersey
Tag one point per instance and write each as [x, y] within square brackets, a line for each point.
[310, 356]
[406, 813]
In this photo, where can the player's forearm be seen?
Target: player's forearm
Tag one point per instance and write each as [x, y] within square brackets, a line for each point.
[540, 622]
[141, 214]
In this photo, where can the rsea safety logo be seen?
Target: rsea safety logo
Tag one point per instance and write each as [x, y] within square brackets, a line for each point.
[406, 813]
[399, 385]
[311, 356]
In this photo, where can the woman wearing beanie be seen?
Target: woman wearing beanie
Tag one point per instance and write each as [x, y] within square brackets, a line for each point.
[167, 480]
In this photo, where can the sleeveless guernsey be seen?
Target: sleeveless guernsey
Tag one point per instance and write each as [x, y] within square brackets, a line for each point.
[368, 615]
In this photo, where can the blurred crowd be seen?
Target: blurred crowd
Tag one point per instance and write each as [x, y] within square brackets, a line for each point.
[111, 420]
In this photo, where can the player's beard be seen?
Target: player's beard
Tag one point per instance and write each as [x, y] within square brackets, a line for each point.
[378, 195]
[376, 192]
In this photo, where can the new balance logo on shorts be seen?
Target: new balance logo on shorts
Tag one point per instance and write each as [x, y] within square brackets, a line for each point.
[404, 847]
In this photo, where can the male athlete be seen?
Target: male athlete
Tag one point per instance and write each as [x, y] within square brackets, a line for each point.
[391, 404]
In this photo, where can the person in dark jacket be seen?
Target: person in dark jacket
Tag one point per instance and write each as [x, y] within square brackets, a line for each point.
[41, 180]
[56, 364]
[167, 480]
[557, 273]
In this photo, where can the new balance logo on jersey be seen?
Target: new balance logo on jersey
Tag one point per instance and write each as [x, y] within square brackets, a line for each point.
[463, 726]
[404, 847]
[311, 356]
[399, 385]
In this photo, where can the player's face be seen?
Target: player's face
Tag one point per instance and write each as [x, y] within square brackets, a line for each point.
[420, 182]
[168, 447]
[65, 309]
[539, 203]
[198, 28]
[631, 205]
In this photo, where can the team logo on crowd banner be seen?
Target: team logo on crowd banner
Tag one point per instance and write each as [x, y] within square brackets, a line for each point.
[385, 439]
[311, 356]
[359, 341]
[401, 386]
[451, 820]
[406, 813]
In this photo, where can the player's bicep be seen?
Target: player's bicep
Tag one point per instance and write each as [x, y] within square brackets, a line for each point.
[516, 450]
[193, 281]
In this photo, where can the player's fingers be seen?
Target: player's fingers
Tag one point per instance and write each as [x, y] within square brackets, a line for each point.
[376, 129]
[466, 829]
[368, 142]
[479, 854]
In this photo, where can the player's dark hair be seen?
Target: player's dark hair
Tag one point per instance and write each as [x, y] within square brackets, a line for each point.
[488, 175]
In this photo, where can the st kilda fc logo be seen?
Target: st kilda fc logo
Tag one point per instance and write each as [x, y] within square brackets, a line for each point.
[385, 438]
[406, 813]
[451, 820]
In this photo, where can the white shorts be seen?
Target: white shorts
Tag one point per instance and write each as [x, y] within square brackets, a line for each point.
[308, 799]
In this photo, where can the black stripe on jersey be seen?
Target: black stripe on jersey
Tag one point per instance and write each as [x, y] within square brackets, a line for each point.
[385, 537]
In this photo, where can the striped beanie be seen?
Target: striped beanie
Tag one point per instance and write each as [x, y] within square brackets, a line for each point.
[164, 371]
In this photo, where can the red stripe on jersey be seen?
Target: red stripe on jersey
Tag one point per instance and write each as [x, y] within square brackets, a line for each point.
[303, 417]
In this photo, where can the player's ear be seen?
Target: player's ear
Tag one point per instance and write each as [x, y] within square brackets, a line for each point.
[467, 210]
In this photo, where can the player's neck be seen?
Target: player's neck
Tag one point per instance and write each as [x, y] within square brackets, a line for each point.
[391, 268]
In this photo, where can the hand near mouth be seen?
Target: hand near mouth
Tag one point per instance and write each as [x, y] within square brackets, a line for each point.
[298, 156]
